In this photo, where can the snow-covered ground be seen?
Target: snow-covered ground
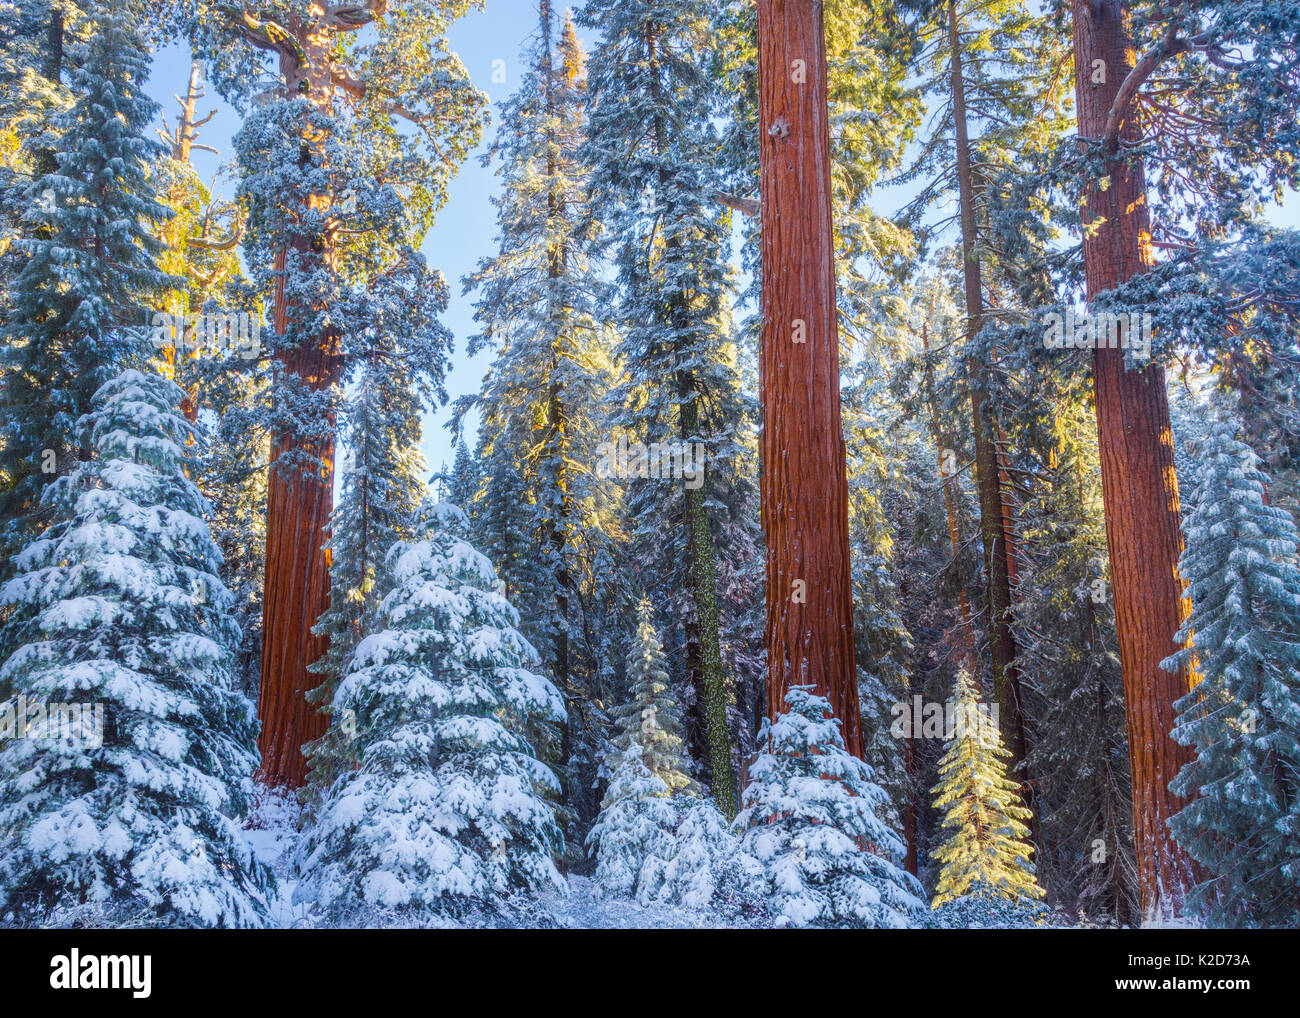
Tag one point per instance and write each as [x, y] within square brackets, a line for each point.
[582, 911]
[272, 832]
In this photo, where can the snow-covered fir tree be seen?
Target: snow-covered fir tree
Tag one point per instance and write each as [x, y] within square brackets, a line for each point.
[85, 268]
[225, 384]
[656, 839]
[986, 846]
[447, 808]
[33, 90]
[1242, 823]
[704, 867]
[649, 768]
[539, 297]
[882, 643]
[120, 618]
[381, 494]
[232, 475]
[811, 820]
[636, 822]
[651, 146]
[463, 482]
[1064, 619]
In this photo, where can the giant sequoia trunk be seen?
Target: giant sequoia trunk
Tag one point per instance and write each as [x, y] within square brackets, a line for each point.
[297, 588]
[804, 485]
[299, 499]
[1139, 487]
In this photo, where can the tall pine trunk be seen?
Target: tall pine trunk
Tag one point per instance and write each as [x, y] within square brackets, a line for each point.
[556, 413]
[943, 445]
[804, 490]
[993, 529]
[1139, 487]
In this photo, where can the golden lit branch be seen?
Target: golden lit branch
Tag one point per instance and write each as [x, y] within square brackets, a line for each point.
[350, 17]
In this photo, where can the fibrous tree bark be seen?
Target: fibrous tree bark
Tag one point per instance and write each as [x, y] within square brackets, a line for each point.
[1139, 486]
[297, 587]
[804, 489]
[300, 490]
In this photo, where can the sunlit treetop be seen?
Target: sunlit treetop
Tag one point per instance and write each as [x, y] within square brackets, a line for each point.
[381, 68]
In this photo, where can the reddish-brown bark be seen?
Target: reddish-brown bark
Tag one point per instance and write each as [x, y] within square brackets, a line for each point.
[296, 586]
[804, 490]
[1137, 469]
[911, 834]
[299, 501]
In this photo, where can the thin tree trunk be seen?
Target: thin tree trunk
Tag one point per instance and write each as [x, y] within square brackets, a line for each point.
[704, 588]
[1011, 544]
[804, 491]
[949, 503]
[700, 541]
[556, 414]
[910, 826]
[1137, 471]
[1006, 677]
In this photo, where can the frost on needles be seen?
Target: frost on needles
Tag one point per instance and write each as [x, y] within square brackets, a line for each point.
[448, 809]
[657, 838]
[118, 604]
[1242, 823]
[811, 813]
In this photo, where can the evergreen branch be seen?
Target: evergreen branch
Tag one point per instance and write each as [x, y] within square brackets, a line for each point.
[745, 206]
[360, 90]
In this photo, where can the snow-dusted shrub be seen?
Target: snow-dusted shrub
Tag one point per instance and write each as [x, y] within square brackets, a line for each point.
[447, 810]
[650, 718]
[118, 612]
[636, 821]
[810, 821]
[983, 907]
[661, 849]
